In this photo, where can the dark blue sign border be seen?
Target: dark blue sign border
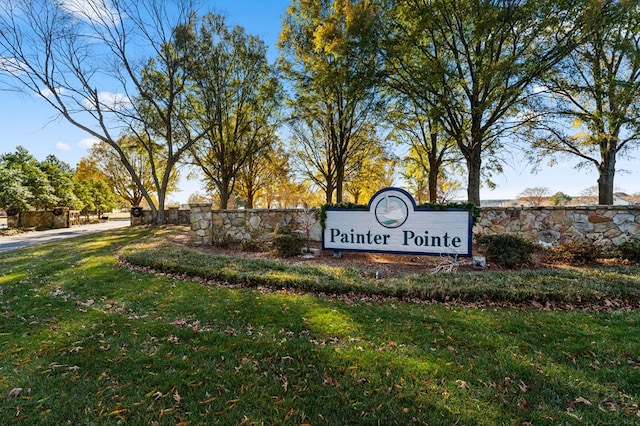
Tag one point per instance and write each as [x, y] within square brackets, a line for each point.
[414, 208]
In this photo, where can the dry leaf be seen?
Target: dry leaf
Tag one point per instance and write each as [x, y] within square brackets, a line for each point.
[523, 387]
[14, 392]
[582, 400]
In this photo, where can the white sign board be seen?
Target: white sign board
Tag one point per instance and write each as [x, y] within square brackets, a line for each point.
[392, 223]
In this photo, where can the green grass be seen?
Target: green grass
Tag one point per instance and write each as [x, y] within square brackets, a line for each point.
[92, 342]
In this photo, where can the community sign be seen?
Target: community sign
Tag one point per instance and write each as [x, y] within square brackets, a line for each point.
[393, 224]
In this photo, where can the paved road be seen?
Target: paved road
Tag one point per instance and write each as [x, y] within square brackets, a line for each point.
[38, 237]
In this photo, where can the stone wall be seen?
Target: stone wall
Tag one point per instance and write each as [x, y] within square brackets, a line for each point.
[605, 225]
[215, 226]
[201, 224]
[173, 216]
[57, 218]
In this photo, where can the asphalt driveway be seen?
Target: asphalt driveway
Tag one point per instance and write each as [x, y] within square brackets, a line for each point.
[38, 237]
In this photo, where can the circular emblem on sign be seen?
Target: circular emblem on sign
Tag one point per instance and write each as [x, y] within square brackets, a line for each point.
[391, 211]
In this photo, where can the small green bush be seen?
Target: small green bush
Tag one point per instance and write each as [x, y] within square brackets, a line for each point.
[576, 252]
[507, 250]
[630, 250]
[287, 242]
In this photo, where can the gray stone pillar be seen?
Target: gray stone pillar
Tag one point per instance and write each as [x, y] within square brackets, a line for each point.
[201, 224]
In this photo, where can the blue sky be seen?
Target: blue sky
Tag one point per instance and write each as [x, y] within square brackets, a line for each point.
[28, 121]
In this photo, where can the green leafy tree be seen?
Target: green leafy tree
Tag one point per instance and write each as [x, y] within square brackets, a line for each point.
[26, 179]
[560, 199]
[591, 99]
[238, 100]
[61, 178]
[95, 196]
[330, 55]
[475, 62]
[14, 195]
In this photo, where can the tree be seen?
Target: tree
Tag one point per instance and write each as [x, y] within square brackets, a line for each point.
[431, 151]
[475, 62]
[535, 195]
[421, 182]
[27, 184]
[592, 98]
[13, 193]
[64, 51]
[197, 198]
[95, 196]
[238, 100]
[330, 55]
[271, 169]
[103, 162]
[61, 178]
[373, 171]
[559, 199]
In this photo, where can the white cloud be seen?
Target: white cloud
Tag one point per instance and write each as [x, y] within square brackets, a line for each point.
[113, 101]
[87, 143]
[47, 93]
[90, 10]
[61, 146]
[11, 66]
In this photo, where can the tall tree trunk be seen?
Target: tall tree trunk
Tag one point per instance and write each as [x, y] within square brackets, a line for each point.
[434, 167]
[339, 183]
[433, 185]
[474, 168]
[251, 194]
[607, 171]
[225, 193]
[160, 219]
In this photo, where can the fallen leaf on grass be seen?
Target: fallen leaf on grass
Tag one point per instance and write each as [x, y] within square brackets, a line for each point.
[582, 400]
[207, 401]
[462, 384]
[523, 387]
[14, 392]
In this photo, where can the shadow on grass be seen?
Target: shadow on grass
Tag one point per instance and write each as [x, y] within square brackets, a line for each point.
[90, 341]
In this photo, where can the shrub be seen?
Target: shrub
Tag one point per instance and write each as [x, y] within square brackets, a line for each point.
[630, 250]
[287, 242]
[507, 250]
[251, 246]
[576, 252]
[223, 243]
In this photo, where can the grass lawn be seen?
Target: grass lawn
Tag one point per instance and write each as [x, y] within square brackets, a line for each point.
[84, 340]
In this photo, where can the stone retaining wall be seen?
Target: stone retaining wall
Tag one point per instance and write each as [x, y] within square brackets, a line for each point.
[604, 225]
[57, 218]
[173, 216]
[201, 224]
[216, 226]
